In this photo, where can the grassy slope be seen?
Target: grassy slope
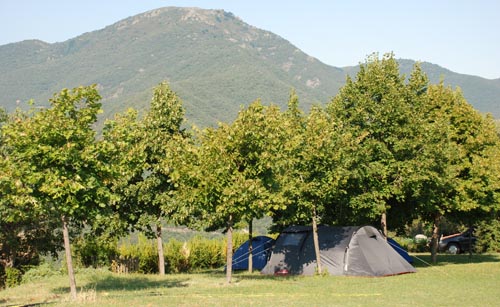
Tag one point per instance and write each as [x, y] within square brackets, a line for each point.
[455, 281]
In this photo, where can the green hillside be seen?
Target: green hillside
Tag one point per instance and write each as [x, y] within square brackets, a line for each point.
[483, 94]
[212, 59]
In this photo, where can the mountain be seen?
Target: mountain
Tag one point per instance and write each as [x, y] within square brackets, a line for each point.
[483, 94]
[211, 58]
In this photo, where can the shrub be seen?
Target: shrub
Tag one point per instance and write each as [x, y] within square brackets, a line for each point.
[488, 236]
[144, 251]
[12, 277]
[176, 256]
[205, 253]
[94, 252]
[39, 272]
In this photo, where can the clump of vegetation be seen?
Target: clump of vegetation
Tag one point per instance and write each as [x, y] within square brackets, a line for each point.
[39, 272]
[12, 277]
[488, 236]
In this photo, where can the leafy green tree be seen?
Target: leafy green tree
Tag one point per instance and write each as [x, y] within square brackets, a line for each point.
[146, 191]
[235, 174]
[379, 110]
[24, 233]
[315, 169]
[63, 170]
[121, 146]
[459, 161]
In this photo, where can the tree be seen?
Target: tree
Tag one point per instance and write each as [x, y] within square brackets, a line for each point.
[234, 176]
[315, 168]
[379, 109]
[24, 233]
[64, 173]
[121, 145]
[148, 187]
[459, 160]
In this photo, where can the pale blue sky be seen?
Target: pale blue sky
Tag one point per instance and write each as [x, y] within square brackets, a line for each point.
[461, 35]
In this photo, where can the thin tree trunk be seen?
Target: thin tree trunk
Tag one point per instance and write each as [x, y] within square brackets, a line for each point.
[383, 224]
[161, 258]
[316, 241]
[69, 260]
[250, 246]
[435, 238]
[229, 251]
[470, 241]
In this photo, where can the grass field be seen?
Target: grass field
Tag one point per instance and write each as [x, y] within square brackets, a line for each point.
[455, 281]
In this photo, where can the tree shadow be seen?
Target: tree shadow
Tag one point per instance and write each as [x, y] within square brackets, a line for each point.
[425, 260]
[111, 283]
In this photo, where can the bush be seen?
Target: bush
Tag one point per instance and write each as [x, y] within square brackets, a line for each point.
[144, 251]
[205, 253]
[94, 252]
[176, 256]
[488, 236]
[12, 277]
[39, 272]
[198, 253]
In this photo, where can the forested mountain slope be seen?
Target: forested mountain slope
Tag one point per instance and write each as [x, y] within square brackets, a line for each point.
[212, 59]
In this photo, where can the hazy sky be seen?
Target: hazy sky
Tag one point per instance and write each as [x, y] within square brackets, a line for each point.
[461, 35]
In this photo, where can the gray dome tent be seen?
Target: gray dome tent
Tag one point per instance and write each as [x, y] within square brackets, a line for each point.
[353, 251]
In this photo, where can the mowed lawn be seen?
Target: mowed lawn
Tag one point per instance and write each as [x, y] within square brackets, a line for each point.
[455, 281]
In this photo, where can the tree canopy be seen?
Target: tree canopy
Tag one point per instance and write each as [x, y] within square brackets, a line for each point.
[387, 148]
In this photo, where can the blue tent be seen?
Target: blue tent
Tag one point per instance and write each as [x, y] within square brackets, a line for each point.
[261, 249]
[400, 250]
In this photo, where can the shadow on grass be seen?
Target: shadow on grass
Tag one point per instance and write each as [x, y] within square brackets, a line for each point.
[424, 260]
[115, 283]
[244, 275]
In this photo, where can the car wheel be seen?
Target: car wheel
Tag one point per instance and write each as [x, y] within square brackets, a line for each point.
[453, 248]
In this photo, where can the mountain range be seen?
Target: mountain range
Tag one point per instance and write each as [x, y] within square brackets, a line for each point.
[213, 60]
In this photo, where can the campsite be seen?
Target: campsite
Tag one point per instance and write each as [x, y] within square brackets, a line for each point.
[456, 281]
[184, 139]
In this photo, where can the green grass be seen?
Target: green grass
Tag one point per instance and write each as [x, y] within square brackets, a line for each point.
[457, 280]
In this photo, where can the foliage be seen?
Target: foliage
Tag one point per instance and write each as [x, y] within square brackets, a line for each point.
[58, 144]
[94, 251]
[379, 110]
[25, 233]
[233, 178]
[488, 236]
[205, 254]
[12, 277]
[176, 256]
[198, 253]
[144, 251]
[56, 149]
[235, 175]
[42, 271]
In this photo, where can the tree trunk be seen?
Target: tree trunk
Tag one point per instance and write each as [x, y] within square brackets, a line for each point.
[250, 246]
[161, 258]
[229, 251]
[316, 241]
[69, 260]
[435, 238]
[383, 224]
[470, 241]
